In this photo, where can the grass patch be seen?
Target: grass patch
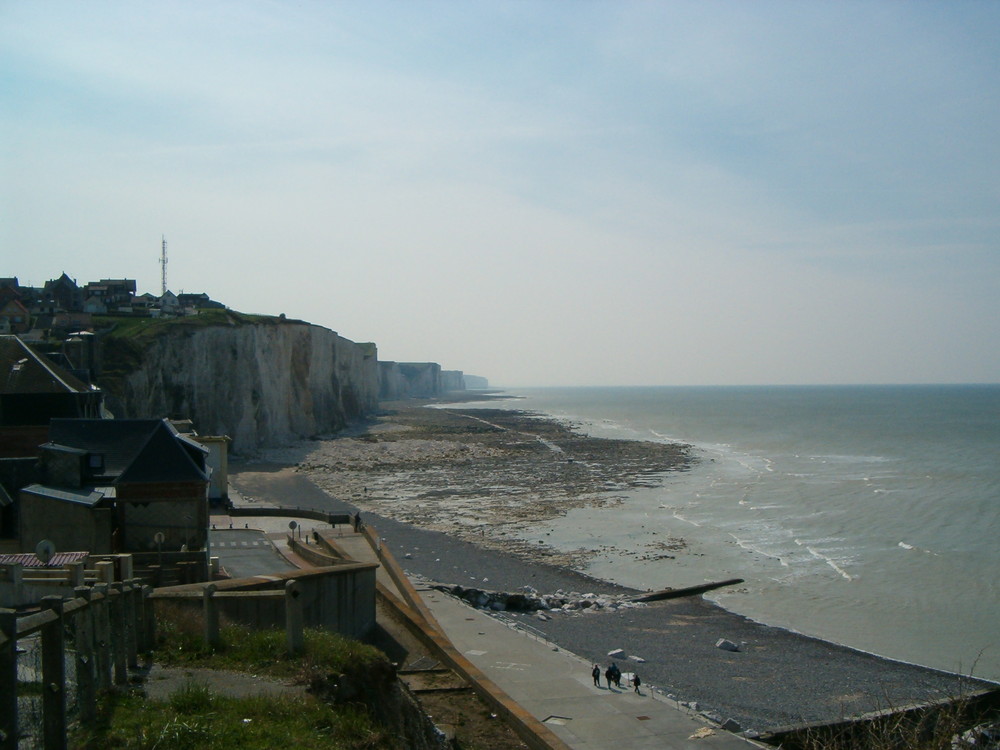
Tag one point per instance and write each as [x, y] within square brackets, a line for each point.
[180, 642]
[194, 717]
[141, 330]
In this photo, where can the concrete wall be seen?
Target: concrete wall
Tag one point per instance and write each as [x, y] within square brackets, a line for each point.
[218, 463]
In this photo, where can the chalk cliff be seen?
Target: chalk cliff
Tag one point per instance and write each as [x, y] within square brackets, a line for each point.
[400, 380]
[262, 384]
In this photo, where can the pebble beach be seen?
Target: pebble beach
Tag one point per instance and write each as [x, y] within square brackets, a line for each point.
[450, 493]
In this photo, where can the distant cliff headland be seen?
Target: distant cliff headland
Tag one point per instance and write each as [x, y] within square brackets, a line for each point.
[261, 380]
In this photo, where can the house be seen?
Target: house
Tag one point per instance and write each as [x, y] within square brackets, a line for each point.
[61, 295]
[201, 301]
[114, 294]
[95, 305]
[33, 390]
[169, 304]
[14, 317]
[120, 485]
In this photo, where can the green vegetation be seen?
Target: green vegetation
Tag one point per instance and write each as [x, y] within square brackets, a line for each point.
[142, 330]
[180, 642]
[195, 717]
[124, 339]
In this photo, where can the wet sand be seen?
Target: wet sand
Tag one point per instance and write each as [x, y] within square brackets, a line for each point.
[449, 490]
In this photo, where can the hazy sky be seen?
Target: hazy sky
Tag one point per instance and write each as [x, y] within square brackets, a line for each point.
[543, 193]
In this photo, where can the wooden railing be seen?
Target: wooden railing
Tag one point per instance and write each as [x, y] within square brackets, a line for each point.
[110, 625]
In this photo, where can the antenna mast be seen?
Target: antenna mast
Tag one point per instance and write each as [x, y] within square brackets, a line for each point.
[163, 267]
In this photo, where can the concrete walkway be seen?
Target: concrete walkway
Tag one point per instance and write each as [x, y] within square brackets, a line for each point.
[553, 685]
[557, 688]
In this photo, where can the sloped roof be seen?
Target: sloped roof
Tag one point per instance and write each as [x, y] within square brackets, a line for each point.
[28, 559]
[23, 370]
[89, 497]
[134, 450]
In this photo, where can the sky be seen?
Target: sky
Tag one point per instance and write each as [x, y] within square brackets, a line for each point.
[571, 192]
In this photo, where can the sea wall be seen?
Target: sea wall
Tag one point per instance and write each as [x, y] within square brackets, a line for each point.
[261, 384]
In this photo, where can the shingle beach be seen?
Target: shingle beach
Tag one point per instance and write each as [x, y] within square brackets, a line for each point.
[447, 491]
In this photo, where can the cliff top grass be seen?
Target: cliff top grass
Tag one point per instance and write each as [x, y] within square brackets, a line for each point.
[125, 338]
[142, 330]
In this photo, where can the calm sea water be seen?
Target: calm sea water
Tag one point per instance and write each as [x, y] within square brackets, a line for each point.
[869, 516]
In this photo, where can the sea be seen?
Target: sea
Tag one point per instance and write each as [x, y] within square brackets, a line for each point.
[864, 515]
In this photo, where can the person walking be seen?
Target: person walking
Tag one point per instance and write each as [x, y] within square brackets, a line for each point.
[596, 674]
[616, 675]
[609, 675]
[636, 681]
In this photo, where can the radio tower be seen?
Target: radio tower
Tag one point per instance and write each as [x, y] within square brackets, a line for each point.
[163, 267]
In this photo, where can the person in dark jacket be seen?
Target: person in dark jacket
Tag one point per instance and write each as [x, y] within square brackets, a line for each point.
[636, 681]
[616, 675]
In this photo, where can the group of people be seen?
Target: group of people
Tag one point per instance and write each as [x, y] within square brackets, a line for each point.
[614, 675]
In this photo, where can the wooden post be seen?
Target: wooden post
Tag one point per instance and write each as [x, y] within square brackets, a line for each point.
[293, 618]
[8, 679]
[119, 637]
[54, 677]
[75, 573]
[149, 618]
[105, 571]
[125, 567]
[156, 571]
[86, 668]
[129, 589]
[211, 616]
[102, 635]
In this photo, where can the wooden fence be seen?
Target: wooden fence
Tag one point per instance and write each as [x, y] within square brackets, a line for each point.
[109, 626]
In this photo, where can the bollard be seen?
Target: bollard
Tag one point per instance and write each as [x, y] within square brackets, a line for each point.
[54, 677]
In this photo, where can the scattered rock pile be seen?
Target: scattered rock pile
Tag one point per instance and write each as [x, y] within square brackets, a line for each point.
[529, 600]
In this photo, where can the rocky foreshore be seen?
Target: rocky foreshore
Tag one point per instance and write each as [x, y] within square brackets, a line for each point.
[529, 600]
[449, 490]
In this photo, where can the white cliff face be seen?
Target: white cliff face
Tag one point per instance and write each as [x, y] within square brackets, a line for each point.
[260, 384]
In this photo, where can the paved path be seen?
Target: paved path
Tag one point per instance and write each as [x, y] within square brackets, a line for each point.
[552, 684]
[556, 687]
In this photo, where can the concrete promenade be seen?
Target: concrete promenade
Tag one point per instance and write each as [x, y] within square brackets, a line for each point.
[557, 688]
[553, 685]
